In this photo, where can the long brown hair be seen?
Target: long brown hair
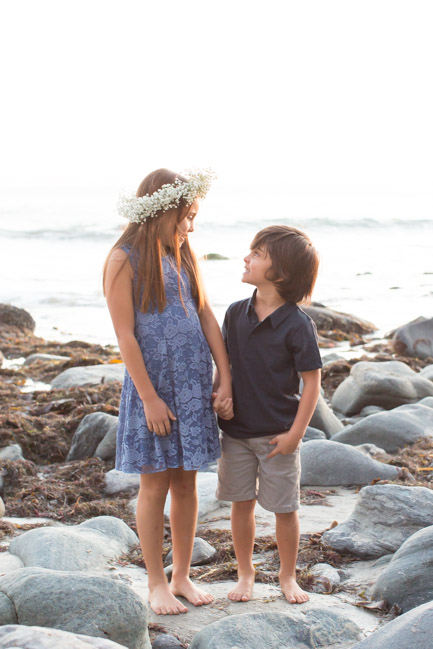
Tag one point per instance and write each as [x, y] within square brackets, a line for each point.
[295, 261]
[146, 249]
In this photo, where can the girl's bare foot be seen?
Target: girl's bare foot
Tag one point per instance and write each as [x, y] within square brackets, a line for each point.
[163, 602]
[184, 587]
[292, 591]
[244, 588]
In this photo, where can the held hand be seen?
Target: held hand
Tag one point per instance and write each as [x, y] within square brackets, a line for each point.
[158, 416]
[284, 444]
[223, 406]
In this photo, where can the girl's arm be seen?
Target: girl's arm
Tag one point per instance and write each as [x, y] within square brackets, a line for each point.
[119, 294]
[223, 382]
[289, 441]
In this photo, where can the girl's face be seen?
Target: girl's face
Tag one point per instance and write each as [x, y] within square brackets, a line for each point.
[186, 225]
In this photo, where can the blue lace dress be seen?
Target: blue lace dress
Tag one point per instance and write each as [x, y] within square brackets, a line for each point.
[178, 360]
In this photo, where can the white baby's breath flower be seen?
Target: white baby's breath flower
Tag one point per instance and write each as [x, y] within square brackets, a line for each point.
[138, 209]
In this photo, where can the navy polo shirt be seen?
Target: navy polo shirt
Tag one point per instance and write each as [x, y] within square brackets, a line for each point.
[265, 358]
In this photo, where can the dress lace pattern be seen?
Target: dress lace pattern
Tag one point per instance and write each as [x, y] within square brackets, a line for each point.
[178, 360]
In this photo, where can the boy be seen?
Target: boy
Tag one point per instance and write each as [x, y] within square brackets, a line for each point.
[269, 340]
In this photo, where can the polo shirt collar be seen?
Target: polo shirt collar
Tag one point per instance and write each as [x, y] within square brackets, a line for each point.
[277, 316]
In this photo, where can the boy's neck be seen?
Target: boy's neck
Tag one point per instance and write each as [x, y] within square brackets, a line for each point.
[267, 300]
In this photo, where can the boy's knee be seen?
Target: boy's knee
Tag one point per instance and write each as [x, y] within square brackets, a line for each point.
[287, 516]
[244, 505]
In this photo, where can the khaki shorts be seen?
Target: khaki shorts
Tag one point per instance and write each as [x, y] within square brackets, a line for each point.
[245, 473]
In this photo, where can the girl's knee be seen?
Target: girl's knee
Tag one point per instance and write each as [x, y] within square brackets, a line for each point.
[183, 483]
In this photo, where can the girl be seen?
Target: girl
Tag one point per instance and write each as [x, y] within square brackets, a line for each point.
[166, 333]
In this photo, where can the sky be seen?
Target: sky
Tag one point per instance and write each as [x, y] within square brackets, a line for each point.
[325, 98]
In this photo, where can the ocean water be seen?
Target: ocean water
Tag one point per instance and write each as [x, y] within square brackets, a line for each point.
[53, 246]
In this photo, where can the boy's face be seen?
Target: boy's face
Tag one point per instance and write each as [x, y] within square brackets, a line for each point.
[257, 263]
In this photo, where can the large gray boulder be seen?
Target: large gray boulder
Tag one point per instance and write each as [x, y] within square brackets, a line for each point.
[87, 546]
[295, 629]
[94, 437]
[324, 419]
[16, 636]
[415, 338]
[383, 518]
[390, 429]
[78, 603]
[89, 375]
[327, 319]
[327, 463]
[387, 384]
[413, 630]
[8, 614]
[407, 579]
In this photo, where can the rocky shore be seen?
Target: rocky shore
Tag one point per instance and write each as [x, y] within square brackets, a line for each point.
[71, 573]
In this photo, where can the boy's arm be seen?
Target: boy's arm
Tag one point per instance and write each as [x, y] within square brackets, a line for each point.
[288, 442]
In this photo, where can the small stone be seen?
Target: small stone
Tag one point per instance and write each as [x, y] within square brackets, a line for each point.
[11, 452]
[202, 553]
[166, 641]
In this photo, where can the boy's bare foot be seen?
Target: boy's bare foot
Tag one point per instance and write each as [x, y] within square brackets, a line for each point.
[185, 588]
[163, 602]
[243, 590]
[292, 591]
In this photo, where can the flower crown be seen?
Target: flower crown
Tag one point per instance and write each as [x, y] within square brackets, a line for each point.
[138, 209]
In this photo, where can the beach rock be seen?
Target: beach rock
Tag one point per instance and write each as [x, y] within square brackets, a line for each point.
[370, 410]
[9, 562]
[202, 553]
[391, 429]
[117, 481]
[15, 317]
[2, 508]
[326, 578]
[17, 636]
[295, 629]
[387, 384]
[165, 641]
[327, 463]
[12, 452]
[78, 603]
[328, 319]
[427, 373]
[330, 358]
[44, 357]
[7, 611]
[324, 419]
[370, 449]
[414, 339]
[206, 488]
[94, 437]
[407, 579]
[413, 630]
[1, 358]
[383, 518]
[87, 546]
[89, 375]
[313, 433]
[427, 401]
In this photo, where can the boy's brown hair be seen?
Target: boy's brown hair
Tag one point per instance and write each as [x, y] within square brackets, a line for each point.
[295, 261]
